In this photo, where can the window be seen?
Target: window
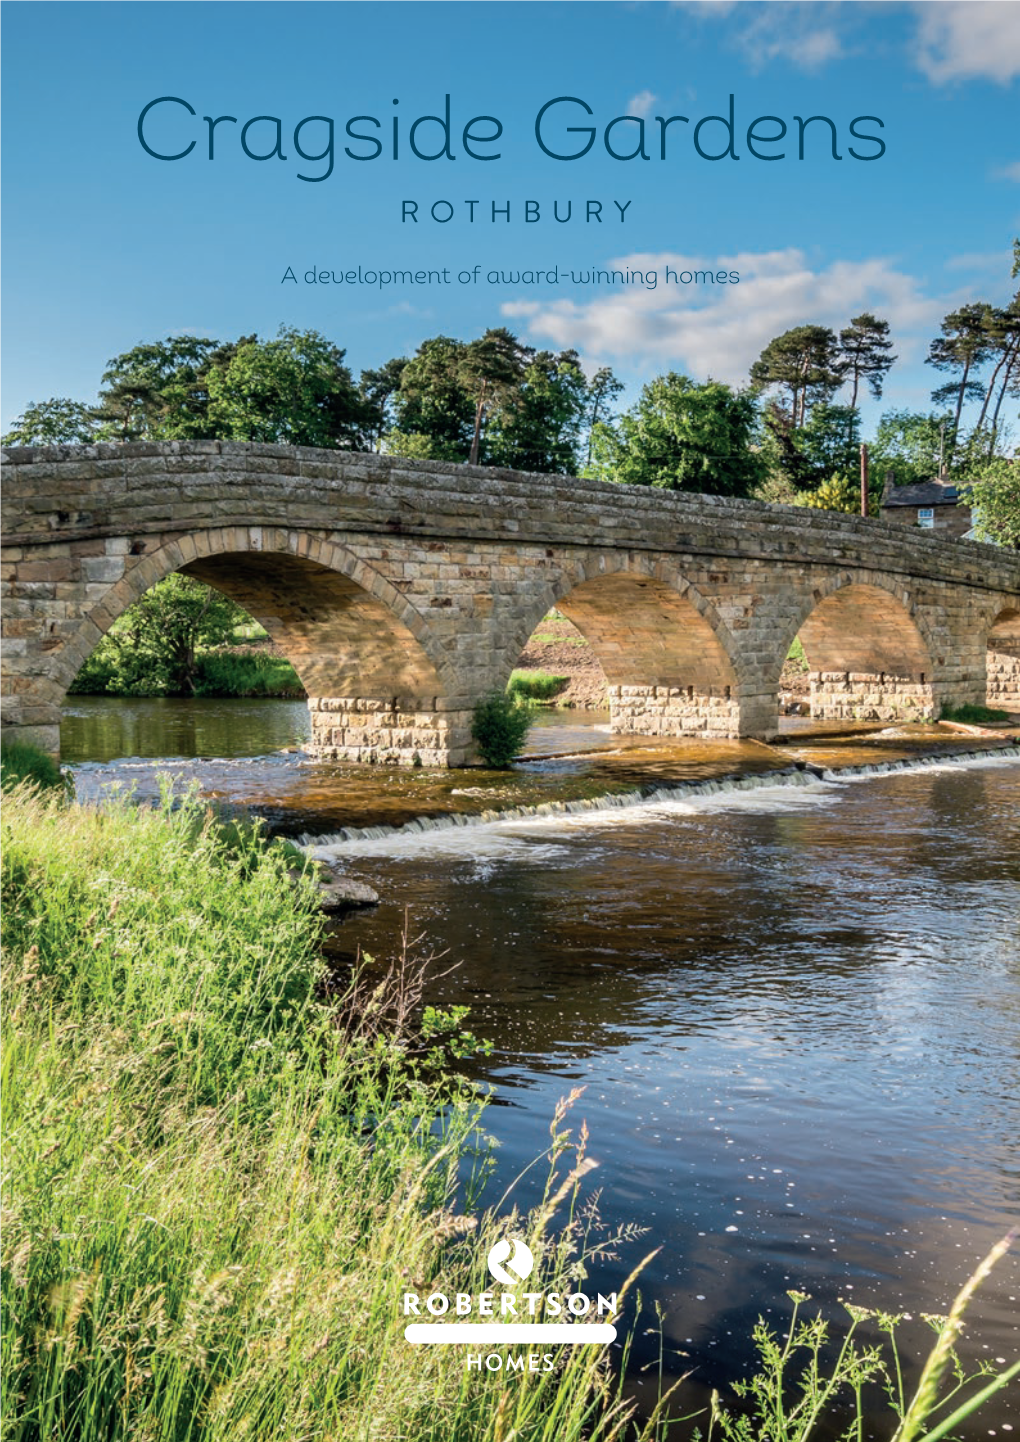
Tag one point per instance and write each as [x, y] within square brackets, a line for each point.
[926, 517]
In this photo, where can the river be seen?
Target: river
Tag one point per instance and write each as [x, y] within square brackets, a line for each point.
[793, 1008]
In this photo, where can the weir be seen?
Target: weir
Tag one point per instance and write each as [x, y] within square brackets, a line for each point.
[404, 591]
[795, 777]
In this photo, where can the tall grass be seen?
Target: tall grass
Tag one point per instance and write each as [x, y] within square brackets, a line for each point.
[972, 714]
[21, 761]
[535, 685]
[224, 1167]
[246, 673]
[218, 1183]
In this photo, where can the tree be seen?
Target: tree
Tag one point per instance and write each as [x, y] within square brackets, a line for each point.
[55, 422]
[500, 726]
[805, 363]
[842, 493]
[538, 428]
[911, 445]
[1002, 326]
[829, 441]
[432, 402]
[491, 401]
[295, 390]
[377, 388]
[964, 345]
[603, 390]
[684, 436]
[152, 648]
[159, 390]
[491, 370]
[994, 494]
[865, 347]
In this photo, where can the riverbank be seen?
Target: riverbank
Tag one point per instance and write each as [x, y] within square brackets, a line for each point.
[226, 671]
[226, 1163]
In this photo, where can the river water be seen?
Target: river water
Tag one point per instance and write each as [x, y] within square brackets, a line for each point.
[793, 1008]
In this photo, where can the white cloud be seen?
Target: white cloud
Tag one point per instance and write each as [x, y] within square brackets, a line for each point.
[719, 330]
[641, 103]
[952, 39]
[1008, 172]
[968, 39]
[802, 34]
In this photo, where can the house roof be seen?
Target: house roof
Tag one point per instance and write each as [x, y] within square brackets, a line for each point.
[923, 493]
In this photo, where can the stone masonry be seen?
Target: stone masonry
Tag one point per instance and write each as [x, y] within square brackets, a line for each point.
[404, 591]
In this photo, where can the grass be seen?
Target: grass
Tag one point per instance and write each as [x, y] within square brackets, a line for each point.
[223, 1168]
[974, 715]
[796, 658]
[21, 761]
[246, 673]
[536, 685]
[807, 1384]
[224, 1165]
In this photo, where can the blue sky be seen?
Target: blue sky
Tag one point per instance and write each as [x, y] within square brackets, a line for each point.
[105, 247]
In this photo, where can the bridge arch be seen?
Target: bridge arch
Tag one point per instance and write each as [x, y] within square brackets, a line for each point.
[360, 648]
[670, 664]
[870, 656]
[1003, 663]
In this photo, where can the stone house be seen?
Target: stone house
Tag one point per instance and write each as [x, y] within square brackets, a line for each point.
[932, 505]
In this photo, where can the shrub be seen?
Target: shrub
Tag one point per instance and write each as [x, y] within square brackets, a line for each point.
[536, 685]
[21, 761]
[500, 726]
[975, 715]
[246, 673]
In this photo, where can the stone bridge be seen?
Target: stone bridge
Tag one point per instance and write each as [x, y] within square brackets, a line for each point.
[403, 591]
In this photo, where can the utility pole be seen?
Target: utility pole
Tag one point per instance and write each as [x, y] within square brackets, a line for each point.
[864, 479]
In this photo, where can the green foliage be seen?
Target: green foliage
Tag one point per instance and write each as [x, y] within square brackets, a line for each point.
[540, 430]
[683, 436]
[432, 402]
[805, 365]
[993, 490]
[795, 656]
[246, 673]
[841, 493]
[909, 444]
[965, 344]
[807, 1378]
[152, 650]
[21, 761]
[378, 388]
[159, 390]
[415, 445]
[865, 347]
[294, 390]
[499, 727]
[55, 422]
[222, 1163]
[973, 715]
[493, 401]
[535, 685]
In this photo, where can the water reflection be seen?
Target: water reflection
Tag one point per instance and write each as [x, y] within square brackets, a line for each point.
[795, 1012]
[797, 1032]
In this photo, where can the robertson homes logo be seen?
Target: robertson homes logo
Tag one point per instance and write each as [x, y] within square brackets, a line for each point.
[510, 1262]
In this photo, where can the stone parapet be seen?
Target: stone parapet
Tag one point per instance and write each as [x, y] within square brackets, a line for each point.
[411, 587]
